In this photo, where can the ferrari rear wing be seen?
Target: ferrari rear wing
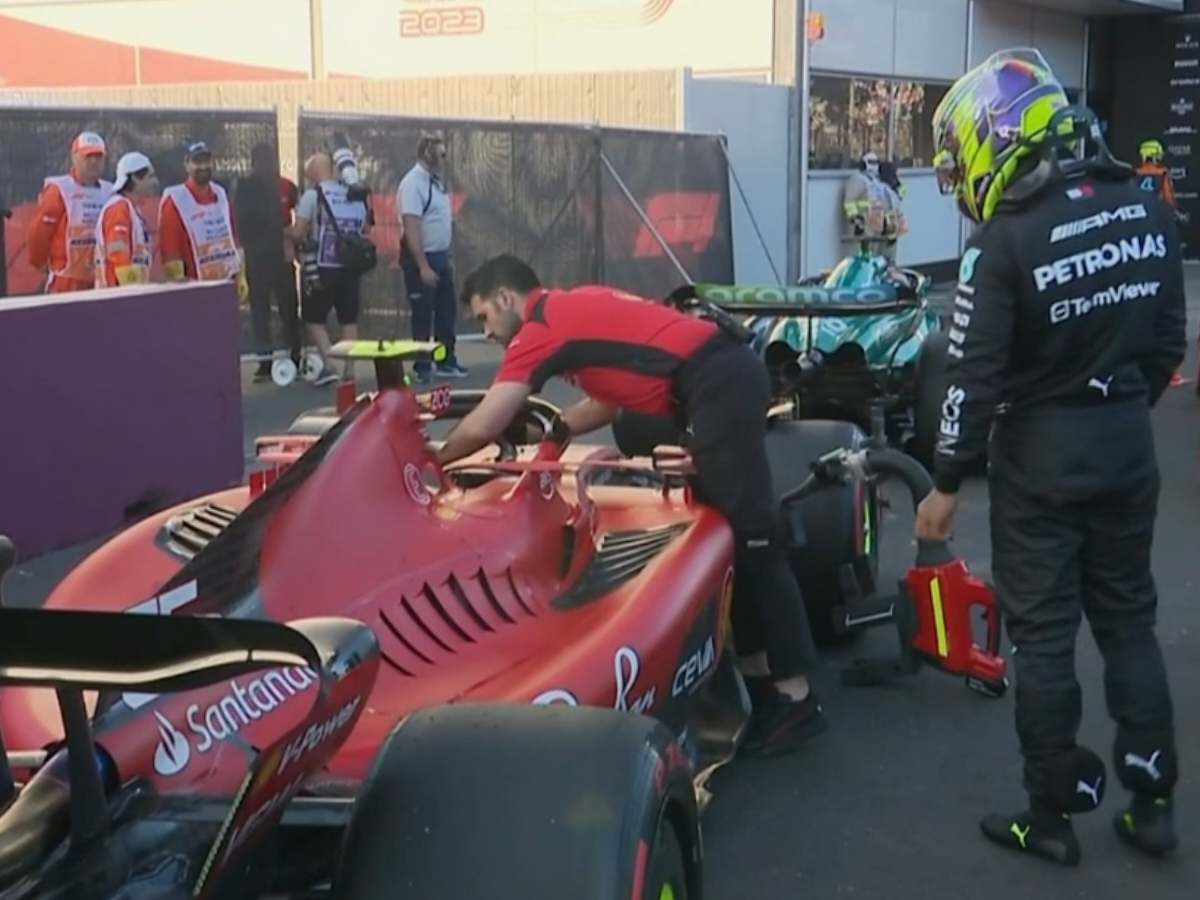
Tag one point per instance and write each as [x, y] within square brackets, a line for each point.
[73, 651]
[153, 654]
[794, 300]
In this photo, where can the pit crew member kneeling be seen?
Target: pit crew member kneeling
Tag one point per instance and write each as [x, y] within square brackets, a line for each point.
[627, 353]
[1069, 318]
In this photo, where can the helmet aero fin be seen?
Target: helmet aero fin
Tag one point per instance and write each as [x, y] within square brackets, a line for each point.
[1070, 130]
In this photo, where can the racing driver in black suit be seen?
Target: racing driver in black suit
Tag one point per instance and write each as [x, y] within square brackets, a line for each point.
[1068, 323]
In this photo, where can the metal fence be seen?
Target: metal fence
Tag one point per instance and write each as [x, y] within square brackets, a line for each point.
[37, 143]
[640, 210]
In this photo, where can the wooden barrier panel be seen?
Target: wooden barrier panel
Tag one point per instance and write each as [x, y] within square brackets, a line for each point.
[115, 403]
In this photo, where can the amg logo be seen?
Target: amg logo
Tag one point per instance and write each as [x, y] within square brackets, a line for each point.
[1063, 271]
[1082, 306]
[1100, 220]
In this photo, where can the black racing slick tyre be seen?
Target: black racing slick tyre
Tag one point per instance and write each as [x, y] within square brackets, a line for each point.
[666, 874]
[536, 802]
[839, 526]
[929, 390]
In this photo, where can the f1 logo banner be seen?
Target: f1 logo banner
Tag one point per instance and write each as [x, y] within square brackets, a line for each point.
[543, 192]
[681, 183]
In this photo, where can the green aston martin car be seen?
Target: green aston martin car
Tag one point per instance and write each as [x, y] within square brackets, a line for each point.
[860, 338]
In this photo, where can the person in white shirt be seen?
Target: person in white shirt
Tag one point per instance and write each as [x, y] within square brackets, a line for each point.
[425, 254]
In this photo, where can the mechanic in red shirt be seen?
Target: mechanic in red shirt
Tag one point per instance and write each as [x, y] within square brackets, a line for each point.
[627, 353]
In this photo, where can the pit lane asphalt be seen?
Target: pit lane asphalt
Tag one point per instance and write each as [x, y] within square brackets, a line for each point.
[885, 804]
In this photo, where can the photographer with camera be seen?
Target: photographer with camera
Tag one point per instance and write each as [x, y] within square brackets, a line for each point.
[333, 220]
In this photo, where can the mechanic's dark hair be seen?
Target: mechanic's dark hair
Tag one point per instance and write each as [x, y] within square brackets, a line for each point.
[133, 180]
[503, 271]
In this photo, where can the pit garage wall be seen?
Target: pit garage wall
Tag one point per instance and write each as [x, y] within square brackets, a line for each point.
[931, 42]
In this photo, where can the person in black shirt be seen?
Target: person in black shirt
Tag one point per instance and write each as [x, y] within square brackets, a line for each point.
[1068, 323]
[259, 210]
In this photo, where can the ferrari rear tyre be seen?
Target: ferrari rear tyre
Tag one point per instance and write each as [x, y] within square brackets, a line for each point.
[536, 802]
[839, 526]
[666, 875]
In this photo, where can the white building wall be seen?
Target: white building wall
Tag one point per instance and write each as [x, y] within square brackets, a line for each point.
[913, 38]
[1059, 36]
[753, 117]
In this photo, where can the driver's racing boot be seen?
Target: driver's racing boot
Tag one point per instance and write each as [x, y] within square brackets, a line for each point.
[1037, 830]
[779, 724]
[1148, 824]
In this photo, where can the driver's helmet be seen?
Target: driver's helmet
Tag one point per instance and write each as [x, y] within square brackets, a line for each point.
[1152, 152]
[989, 121]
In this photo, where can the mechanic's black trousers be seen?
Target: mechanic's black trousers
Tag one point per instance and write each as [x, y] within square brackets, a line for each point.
[725, 393]
[1053, 561]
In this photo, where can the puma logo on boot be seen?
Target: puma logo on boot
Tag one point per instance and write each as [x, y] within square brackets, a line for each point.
[1150, 766]
[1093, 791]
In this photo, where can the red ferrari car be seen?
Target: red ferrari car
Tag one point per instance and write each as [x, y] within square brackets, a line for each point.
[523, 604]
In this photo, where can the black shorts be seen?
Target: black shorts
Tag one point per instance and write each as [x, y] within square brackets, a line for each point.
[339, 290]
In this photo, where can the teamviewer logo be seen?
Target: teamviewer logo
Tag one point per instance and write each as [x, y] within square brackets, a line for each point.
[173, 752]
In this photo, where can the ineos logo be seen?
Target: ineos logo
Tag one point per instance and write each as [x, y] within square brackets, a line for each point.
[450, 21]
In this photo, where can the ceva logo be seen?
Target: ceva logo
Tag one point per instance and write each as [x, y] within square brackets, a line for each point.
[173, 752]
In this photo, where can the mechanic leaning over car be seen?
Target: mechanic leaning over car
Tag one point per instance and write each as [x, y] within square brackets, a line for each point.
[1070, 317]
[624, 352]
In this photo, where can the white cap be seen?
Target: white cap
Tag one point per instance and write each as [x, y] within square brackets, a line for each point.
[89, 144]
[128, 164]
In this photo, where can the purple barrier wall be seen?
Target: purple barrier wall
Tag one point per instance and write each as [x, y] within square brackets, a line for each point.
[114, 403]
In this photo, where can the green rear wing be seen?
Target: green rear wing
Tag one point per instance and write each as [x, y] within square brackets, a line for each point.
[796, 300]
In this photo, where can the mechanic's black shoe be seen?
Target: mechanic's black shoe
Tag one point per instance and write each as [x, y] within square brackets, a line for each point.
[1045, 834]
[263, 372]
[781, 725]
[761, 690]
[1149, 825]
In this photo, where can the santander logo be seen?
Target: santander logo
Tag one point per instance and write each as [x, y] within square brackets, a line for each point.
[173, 752]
